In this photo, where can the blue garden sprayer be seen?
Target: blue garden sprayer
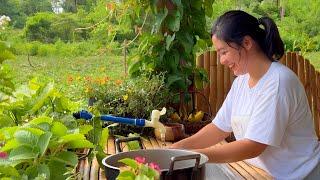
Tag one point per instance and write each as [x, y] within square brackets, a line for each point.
[155, 119]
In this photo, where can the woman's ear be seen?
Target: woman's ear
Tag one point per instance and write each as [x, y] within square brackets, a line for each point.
[247, 42]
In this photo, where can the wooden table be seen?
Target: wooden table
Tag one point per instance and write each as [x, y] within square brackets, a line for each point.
[92, 171]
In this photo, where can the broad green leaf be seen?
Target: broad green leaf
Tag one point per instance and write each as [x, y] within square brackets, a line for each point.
[84, 129]
[57, 169]
[11, 144]
[40, 100]
[34, 131]
[40, 170]
[169, 40]
[26, 137]
[8, 132]
[126, 175]
[9, 171]
[104, 137]
[72, 137]
[129, 162]
[41, 120]
[173, 21]
[67, 157]
[59, 129]
[81, 143]
[5, 121]
[22, 153]
[43, 142]
[142, 177]
[159, 19]
[172, 79]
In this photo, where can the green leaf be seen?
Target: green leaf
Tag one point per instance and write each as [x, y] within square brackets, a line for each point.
[43, 142]
[42, 97]
[104, 137]
[22, 153]
[8, 132]
[57, 169]
[34, 131]
[172, 79]
[26, 137]
[126, 175]
[72, 137]
[142, 177]
[129, 162]
[84, 129]
[80, 144]
[41, 170]
[174, 21]
[159, 19]
[41, 120]
[169, 40]
[9, 171]
[59, 129]
[67, 157]
[11, 144]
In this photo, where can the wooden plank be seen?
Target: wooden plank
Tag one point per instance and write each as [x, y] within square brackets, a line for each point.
[307, 86]
[241, 171]
[236, 173]
[262, 172]
[111, 146]
[94, 170]
[220, 86]
[154, 143]
[289, 60]
[86, 172]
[102, 176]
[213, 82]
[81, 168]
[294, 62]
[206, 90]
[250, 170]
[146, 142]
[301, 70]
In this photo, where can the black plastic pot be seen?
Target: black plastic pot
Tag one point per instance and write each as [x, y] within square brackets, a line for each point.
[174, 163]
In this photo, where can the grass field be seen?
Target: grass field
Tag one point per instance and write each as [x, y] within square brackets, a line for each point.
[69, 74]
[314, 58]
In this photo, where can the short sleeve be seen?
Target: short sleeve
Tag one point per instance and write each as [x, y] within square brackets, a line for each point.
[269, 119]
[223, 118]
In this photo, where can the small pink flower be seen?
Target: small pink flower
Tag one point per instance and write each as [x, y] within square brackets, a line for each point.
[155, 166]
[140, 159]
[3, 155]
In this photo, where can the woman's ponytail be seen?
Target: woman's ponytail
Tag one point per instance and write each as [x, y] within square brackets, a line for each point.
[272, 43]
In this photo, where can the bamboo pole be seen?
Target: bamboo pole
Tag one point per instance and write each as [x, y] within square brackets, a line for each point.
[294, 62]
[206, 85]
[283, 59]
[220, 77]
[213, 82]
[289, 60]
[301, 70]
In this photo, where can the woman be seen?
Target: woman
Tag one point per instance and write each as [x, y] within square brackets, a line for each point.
[266, 108]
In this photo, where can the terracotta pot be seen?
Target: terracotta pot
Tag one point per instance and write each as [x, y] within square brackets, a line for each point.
[174, 132]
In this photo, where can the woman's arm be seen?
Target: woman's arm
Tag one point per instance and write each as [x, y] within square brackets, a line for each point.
[234, 151]
[206, 137]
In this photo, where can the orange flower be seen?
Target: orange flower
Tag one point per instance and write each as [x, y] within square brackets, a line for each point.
[118, 82]
[69, 79]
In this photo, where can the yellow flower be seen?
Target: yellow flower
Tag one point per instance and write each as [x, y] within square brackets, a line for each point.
[125, 97]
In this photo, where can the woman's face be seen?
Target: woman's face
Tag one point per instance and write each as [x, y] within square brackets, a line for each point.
[232, 57]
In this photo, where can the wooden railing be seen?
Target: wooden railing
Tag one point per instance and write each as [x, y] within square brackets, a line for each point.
[221, 79]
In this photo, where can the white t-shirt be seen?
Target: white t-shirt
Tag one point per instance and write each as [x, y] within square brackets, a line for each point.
[274, 112]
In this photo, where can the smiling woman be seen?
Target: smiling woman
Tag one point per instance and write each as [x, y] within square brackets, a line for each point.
[266, 108]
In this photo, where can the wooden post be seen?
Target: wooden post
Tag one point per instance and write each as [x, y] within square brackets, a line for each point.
[213, 82]
[206, 86]
[220, 78]
[317, 100]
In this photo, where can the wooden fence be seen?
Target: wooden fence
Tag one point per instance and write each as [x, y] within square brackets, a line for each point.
[221, 79]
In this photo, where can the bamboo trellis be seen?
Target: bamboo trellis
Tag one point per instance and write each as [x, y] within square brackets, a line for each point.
[221, 79]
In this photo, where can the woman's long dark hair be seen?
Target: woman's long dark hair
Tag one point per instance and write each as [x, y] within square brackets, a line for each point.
[233, 25]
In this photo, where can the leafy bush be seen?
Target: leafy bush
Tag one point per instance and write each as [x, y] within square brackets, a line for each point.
[134, 98]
